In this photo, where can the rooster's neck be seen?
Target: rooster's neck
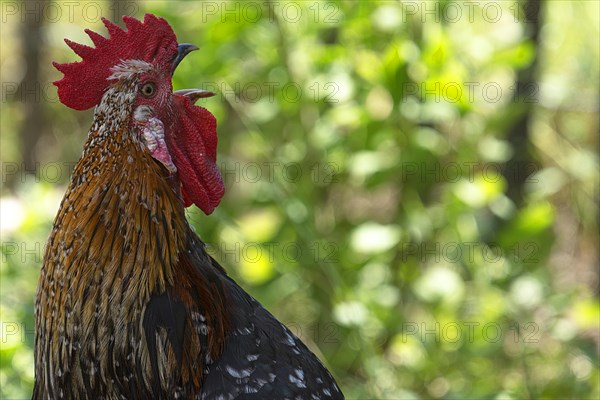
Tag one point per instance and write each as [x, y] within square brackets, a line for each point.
[119, 231]
[119, 250]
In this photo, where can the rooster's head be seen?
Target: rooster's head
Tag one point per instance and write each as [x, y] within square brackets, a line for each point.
[130, 73]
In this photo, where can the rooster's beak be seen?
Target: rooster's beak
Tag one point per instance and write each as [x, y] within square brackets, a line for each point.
[194, 94]
[182, 50]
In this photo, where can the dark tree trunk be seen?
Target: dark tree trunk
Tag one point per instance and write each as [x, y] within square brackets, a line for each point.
[522, 164]
[29, 92]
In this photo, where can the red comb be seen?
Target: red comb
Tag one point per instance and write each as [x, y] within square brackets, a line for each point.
[85, 81]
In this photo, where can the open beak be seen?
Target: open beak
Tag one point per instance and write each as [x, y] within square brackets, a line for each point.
[193, 94]
[182, 50]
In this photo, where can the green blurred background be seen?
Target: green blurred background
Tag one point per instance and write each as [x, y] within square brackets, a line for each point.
[411, 186]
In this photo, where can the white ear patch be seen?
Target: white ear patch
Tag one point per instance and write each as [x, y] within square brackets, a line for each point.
[142, 113]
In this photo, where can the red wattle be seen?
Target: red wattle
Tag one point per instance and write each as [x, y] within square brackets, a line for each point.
[192, 142]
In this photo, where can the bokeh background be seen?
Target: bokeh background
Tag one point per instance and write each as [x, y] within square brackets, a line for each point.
[412, 187]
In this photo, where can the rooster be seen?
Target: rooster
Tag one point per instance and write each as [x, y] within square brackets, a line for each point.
[129, 304]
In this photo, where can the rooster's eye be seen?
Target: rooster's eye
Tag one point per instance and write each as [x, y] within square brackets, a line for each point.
[148, 90]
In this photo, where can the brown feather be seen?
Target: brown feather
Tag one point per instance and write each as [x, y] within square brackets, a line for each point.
[118, 239]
